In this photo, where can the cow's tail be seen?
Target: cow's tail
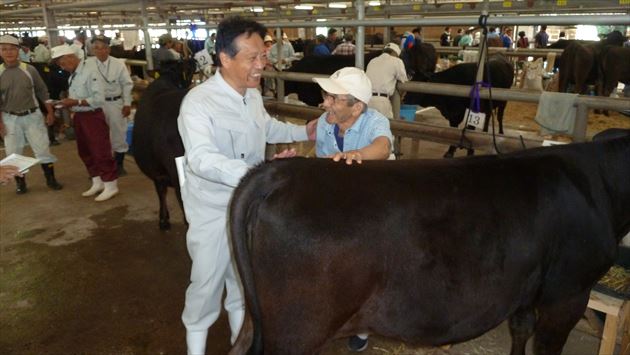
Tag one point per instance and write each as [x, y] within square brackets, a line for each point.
[243, 213]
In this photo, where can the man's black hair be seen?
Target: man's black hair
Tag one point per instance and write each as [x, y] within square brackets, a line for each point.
[232, 27]
[416, 30]
[331, 31]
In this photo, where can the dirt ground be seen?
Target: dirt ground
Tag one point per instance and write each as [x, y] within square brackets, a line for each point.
[80, 277]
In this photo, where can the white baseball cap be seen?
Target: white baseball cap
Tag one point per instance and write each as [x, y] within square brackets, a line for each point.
[268, 38]
[7, 39]
[348, 80]
[392, 46]
[61, 50]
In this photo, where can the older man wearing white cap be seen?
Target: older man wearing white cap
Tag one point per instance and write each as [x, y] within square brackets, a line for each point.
[348, 129]
[20, 116]
[384, 71]
[86, 97]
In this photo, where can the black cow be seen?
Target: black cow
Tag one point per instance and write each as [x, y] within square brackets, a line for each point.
[581, 62]
[310, 93]
[501, 75]
[419, 59]
[156, 140]
[614, 68]
[429, 252]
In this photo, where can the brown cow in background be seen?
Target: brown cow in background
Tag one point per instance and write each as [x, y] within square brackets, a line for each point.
[614, 68]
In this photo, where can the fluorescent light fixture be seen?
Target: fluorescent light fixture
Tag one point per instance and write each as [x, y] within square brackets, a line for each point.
[257, 9]
[303, 7]
[321, 20]
[337, 5]
[374, 3]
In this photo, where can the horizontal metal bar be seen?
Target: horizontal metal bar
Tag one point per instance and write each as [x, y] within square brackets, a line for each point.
[513, 94]
[422, 131]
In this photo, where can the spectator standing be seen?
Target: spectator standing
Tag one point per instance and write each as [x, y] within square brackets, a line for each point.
[41, 53]
[288, 54]
[417, 35]
[117, 40]
[20, 116]
[321, 48]
[26, 56]
[331, 40]
[445, 38]
[466, 39]
[224, 127]
[458, 37]
[347, 47]
[542, 38]
[86, 99]
[522, 41]
[117, 86]
[384, 72]
[164, 53]
[78, 44]
[506, 37]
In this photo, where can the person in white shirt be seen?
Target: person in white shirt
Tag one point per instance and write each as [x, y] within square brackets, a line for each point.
[86, 98]
[78, 45]
[287, 56]
[224, 127]
[116, 41]
[384, 71]
[118, 85]
[41, 53]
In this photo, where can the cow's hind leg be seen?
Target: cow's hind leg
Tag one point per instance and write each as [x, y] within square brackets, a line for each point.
[161, 188]
[521, 329]
[555, 322]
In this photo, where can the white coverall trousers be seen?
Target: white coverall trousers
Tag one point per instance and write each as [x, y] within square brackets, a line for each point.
[32, 127]
[117, 125]
[212, 267]
[383, 105]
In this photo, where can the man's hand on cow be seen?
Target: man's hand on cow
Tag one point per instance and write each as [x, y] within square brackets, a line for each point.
[311, 130]
[287, 153]
[126, 110]
[353, 155]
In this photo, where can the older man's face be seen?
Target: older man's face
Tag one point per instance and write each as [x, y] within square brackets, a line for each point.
[9, 53]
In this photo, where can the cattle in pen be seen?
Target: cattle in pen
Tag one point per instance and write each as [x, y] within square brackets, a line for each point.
[429, 252]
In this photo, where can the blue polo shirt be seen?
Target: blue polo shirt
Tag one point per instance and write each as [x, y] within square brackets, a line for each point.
[369, 126]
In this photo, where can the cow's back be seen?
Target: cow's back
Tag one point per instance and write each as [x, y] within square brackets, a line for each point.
[429, 252]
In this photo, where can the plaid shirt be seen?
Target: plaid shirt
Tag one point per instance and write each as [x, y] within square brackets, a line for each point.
[346, 48]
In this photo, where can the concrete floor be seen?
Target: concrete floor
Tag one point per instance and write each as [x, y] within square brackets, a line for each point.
[80, 277]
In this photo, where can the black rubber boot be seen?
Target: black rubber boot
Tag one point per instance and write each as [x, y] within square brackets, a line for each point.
[51, 135]
[120, 160]
[20, 183]
[49, 173]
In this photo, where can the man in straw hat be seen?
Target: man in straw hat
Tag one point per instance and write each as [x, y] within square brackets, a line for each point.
[20, 116]
[86, 98]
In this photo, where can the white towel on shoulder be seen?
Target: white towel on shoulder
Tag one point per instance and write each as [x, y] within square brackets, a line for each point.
[556, 112]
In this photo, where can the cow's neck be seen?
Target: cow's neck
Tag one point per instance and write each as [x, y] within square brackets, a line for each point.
[615, 172]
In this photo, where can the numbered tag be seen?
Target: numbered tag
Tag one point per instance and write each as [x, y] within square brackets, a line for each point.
[476, 119]
[203, 59]
[459, 6]
[561, 3]
[507, 4]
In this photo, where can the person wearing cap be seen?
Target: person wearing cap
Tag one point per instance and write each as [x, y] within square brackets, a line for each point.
[321, 48]
[467, 38]
[224, 127]
[41, 53]
[164, 53]
[21, 87]
[347, 47]
[283, 60]
[86, 98]
[384, 72]
[269, 85]
[117, 84]
[116, 41]
[349, 130]
[26, 55]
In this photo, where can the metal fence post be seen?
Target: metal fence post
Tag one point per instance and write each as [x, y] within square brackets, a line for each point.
[581, 120]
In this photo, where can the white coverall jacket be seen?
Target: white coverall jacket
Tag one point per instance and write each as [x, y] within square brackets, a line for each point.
[224, 134]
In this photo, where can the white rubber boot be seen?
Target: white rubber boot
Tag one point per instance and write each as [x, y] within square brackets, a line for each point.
[235, 318]
[97, 186]
[111, 189]
[196, 342]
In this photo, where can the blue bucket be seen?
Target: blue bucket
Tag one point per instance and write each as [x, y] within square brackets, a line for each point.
[408, 112]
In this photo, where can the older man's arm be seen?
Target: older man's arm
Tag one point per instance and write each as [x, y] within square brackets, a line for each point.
[379, 149]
